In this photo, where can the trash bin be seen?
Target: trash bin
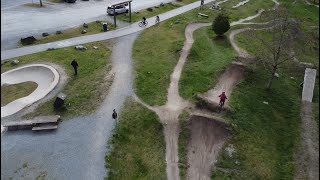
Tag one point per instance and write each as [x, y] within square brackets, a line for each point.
[105, 27]
[59, 102]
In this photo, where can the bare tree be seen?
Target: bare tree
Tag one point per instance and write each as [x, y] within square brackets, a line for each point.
[41, 3]
[278, 43]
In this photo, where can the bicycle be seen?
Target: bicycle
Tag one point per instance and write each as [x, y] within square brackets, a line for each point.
[220, 106]
[145, 23]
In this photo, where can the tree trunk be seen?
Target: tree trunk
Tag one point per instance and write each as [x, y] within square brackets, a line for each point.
[41, 3]
[272, 77]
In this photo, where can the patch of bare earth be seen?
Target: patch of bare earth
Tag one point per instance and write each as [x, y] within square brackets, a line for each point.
[207, 138]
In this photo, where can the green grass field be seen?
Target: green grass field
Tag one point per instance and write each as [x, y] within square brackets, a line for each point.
[93, 28]
[12, 92]
[208, 58]
[144, 13]
[84, 92]
[137, 147]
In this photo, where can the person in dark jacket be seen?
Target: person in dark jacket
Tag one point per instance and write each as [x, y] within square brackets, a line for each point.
[75, 65]
[114, 114]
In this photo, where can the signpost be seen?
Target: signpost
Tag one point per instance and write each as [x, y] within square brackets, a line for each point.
[124, 3]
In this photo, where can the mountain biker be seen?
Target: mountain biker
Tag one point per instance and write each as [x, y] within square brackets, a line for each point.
[223, 98]
[144, 20]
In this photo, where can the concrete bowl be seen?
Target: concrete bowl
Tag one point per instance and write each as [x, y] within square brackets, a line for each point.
[44, 75]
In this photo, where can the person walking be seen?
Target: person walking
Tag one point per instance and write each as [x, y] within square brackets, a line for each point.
[202, 3]
[157, 19]
[114, 114]
[75, 65]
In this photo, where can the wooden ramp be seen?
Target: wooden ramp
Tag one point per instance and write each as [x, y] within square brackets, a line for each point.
[38, 123]
[308, 84]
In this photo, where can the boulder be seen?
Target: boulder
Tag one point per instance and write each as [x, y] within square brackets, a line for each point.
[58, 32]
[80, 47]
[83, 31]
[28, 40]
[95, 47]
[14, 62]
[85, 25]
[45, 34]
[50, 49]
[97, 21]
[265, 102]
[276, 75]
[161, 4]
[150, 9]
[156, 6]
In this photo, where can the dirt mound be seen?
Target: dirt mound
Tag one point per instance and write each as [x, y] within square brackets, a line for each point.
[207, 138]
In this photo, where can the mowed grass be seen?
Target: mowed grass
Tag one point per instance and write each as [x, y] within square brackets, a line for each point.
[265, 136]
[145, 13]
[93, 28]
[137, 147]
[155, 53]
[249, 9]
[84, 92]
[208, 58]
[10, 93]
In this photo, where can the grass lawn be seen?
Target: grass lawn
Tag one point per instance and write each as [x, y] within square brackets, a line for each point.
[144, 13]
[93, 28]
[36, 5]
[12, 92]
[209, 56]
[85, 92]
[138, 147]
[265, 136]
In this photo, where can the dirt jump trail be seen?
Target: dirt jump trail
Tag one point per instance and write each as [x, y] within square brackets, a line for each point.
[169, 113]
[207, 138]
[227, 82]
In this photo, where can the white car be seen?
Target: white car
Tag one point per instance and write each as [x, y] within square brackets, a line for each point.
[119, 10]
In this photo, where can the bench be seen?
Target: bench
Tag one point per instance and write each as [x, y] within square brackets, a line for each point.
[204, 15]
[39, 123]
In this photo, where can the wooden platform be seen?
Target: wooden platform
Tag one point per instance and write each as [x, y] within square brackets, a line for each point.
[38, 123]
[45, 127]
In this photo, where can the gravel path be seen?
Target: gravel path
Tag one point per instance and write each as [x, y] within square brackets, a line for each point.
[77, 148]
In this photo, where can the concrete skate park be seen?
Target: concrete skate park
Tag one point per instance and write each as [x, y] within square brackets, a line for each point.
[164, 82]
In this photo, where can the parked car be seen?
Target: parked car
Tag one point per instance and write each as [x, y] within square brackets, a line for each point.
[70, 1]
[119, 10]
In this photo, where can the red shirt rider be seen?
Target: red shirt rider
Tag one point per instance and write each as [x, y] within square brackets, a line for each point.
[223, 97]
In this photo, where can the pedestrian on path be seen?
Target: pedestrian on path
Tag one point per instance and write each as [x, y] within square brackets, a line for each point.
[202, 3]
[114, 114]
[157, 19]
[75, 65]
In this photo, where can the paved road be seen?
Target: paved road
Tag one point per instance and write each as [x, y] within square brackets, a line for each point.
[7, 54]
[77, 148]
[19, 21]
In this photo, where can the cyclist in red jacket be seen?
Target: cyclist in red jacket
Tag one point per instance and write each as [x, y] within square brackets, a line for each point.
[223, 98]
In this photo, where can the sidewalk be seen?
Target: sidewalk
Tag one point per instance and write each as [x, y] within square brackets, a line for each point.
[133, 28]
